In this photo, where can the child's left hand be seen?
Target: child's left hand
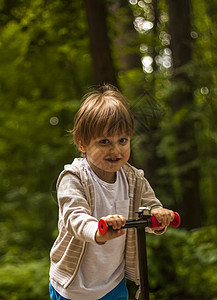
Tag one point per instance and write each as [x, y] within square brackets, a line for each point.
[163, 216]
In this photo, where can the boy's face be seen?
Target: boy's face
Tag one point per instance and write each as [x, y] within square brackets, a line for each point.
[107, 154]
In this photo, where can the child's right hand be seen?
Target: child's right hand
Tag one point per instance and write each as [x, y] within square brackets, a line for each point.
[116, 221]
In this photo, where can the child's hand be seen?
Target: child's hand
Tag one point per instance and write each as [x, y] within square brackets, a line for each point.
[163, 216]
[116, 221]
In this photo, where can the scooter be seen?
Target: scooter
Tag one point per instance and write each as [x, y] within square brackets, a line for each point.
[144, 220]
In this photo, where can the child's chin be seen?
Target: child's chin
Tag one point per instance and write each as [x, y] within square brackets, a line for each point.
[113, 167]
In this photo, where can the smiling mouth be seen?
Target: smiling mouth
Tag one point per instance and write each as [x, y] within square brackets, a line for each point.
[113, 160]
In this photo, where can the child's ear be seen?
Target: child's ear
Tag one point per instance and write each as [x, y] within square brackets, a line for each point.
[81, 147]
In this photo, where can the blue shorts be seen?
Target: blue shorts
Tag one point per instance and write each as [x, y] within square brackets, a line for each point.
[120, 292]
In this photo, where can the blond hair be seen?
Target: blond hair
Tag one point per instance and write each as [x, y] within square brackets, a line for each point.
[103, 109]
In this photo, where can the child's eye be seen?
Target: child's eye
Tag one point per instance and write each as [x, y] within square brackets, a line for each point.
[104, 142]
[123, 140]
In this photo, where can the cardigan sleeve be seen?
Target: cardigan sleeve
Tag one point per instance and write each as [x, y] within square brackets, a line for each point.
[148, 196]
[74, 209]
[149, 199]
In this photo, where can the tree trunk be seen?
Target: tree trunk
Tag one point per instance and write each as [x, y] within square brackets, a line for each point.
[183, 99]
[126, 38]
[153, 163]
[99, 42]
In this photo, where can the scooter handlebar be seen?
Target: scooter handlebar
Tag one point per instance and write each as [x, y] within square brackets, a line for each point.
[103, 227]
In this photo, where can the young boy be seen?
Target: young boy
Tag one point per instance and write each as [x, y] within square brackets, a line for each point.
[84, 263]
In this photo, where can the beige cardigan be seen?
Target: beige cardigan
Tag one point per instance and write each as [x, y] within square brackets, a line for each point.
[69, 248]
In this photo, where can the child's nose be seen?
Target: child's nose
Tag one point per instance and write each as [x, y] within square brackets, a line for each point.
[114, 148]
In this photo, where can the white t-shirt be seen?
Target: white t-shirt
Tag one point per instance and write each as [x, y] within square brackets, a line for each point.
[102, 267]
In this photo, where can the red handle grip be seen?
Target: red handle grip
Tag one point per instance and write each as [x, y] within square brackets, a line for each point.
[103, 227]
[175, 223]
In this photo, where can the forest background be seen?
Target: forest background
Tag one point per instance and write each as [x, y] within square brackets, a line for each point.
[162, 56]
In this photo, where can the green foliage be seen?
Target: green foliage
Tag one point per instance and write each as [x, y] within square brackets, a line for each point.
[24, 280]
[184, 263]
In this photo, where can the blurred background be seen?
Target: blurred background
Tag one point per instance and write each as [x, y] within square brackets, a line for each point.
[162, 56]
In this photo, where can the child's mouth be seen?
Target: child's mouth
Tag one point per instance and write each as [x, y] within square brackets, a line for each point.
[113, 160]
